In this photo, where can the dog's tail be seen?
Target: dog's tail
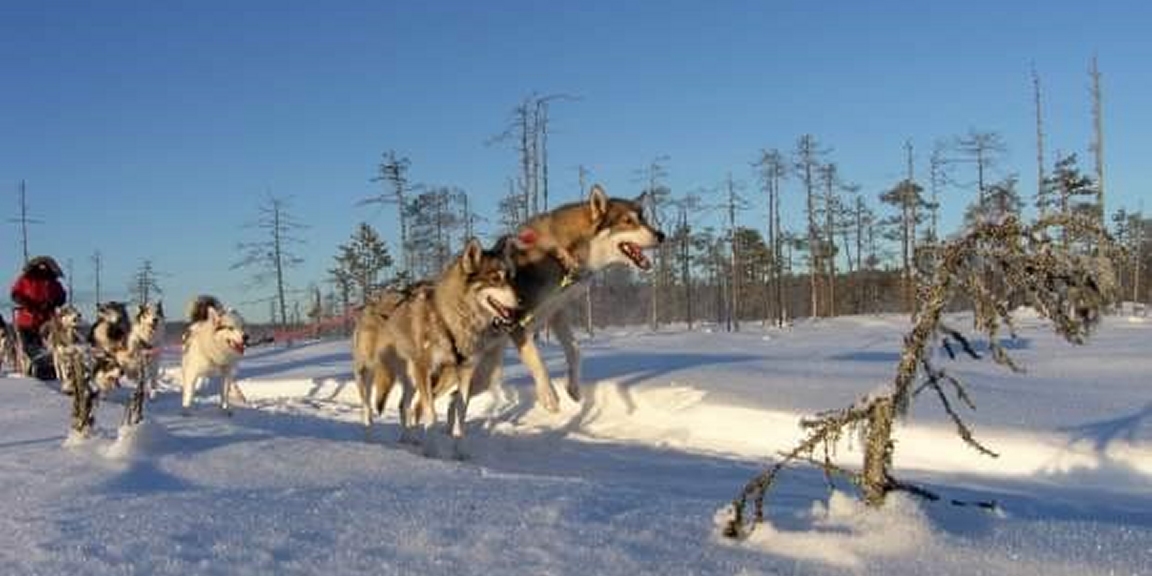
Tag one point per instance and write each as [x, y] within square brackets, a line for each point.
[198, 308]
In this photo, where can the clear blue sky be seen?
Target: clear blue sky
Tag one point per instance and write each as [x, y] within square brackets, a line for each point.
[152, 129]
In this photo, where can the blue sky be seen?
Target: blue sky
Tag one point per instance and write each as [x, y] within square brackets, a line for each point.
[152, 130]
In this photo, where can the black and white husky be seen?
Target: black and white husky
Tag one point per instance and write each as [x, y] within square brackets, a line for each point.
[61, 333]
[141, 358]
[213, 345]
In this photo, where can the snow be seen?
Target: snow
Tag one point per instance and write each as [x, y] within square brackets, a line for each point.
[632, 481]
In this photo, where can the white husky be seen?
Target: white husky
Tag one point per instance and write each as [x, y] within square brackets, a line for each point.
[213, 345]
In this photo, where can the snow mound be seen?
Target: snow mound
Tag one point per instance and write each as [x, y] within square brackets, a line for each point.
[844, 532]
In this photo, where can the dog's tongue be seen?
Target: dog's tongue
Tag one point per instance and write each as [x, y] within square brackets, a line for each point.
[239, 348]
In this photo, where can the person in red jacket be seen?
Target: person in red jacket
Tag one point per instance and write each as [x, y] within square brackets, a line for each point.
[37, 294]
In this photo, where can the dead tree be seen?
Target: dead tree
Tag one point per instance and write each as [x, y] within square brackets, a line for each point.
[1098, 136]
[830, 180]
[655, 196]
[269, 258]
[773, 170]
[1040, 188]
[984, 149]
[1027, 265]
[807, 161]
[393, 174]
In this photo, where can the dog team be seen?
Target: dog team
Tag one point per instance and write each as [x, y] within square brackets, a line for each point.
[437, 337]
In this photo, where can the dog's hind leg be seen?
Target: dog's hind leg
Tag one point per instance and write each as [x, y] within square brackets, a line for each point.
[364, 377]
[530, 356]
[407, 409]
[563, 331]
[382, 382]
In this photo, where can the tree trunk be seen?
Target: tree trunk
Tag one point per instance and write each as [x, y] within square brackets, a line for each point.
[877, 453]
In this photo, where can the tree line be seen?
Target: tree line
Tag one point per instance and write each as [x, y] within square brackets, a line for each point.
[853, 251]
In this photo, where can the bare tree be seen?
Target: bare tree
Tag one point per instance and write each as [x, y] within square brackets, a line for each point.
[655, 195]
[936, 181]
[512, 209]
[271, 256]
[830, 179]
[773, 169]
[1098, 136]
[1069, 289]
[1040, 178]
[984, 149]
[541, 122]
[807, 160]
[733, 203]
[393, 174]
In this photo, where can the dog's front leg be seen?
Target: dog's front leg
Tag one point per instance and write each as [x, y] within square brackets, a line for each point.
[563, 331]
[530, 356]
[188, 381]
[227, 385]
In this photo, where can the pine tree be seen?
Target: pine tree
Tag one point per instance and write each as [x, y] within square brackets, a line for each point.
[1071, 192]
[368, 257]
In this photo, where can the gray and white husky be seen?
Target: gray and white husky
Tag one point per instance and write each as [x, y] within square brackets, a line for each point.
[213, 345]
[432, 331]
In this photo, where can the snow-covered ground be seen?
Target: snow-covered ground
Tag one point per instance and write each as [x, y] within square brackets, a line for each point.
[628, 482]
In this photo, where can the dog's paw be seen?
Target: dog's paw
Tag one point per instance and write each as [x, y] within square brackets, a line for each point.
[548, 400]
[574, 392]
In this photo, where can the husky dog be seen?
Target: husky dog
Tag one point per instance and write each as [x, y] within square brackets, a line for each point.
[109, 334]
[433, 331]
[140, 356]
[61, 333]
[8, 349]
[213, 345]
[596, 233]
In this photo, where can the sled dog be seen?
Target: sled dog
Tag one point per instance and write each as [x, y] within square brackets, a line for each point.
[596, 233]
[431, 331]
[213, 345]
[140, 357]
[109, 334]
[60, 333]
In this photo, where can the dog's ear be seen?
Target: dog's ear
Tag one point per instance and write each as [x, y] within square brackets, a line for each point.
[597, 202]
[160, 309]
[470, 260]
[213, 316]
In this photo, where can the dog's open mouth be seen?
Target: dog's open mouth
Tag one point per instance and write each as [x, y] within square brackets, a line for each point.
[503, 313]
[238, 347]
[636, 254]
